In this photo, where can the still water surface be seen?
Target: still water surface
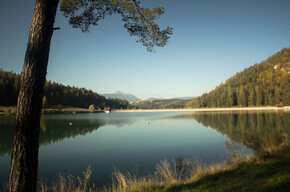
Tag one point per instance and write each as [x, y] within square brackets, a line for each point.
[69, 143]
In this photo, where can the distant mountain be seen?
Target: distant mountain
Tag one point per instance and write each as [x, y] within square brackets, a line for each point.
[153, 98]
[266, 83]
[122, 95]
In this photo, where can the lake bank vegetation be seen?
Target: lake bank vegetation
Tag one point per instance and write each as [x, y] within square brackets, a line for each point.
[59, 109]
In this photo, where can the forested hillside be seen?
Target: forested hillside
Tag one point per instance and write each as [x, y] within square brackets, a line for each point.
[267, 83]
[160, 104]
[56, 94]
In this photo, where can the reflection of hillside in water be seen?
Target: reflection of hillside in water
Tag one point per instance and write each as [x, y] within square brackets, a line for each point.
[50, 131]
[57, 127]
[56, 130]
[6, 133]
[253, 129]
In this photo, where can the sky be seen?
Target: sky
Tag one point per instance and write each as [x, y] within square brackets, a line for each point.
[211, 41]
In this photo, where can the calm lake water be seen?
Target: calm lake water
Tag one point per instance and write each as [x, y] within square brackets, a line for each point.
[70, 143]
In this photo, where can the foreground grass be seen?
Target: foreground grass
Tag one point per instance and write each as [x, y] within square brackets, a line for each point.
[270, 175]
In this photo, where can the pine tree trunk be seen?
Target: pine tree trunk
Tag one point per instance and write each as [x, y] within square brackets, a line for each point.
[24, 158]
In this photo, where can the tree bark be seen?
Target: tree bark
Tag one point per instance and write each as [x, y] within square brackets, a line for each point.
[24, 158]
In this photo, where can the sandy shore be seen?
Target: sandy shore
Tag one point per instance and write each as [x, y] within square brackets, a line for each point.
[207, 109]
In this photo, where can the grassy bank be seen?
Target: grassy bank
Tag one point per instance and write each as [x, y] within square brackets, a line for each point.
[61, 110]
[51, 110]
[270, 175]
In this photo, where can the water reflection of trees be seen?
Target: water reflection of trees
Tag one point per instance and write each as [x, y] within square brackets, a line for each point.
[50, 131]
[6, 133]
[253, 129]
[55, 129]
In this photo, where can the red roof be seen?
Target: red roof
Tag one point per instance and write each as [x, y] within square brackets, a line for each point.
[107, 109]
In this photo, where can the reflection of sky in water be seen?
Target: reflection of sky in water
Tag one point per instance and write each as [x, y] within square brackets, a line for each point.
[123, 140]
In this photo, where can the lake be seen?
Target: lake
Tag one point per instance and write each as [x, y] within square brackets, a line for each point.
[70, 143]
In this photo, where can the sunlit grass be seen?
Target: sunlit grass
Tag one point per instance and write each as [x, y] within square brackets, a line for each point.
[68, 183]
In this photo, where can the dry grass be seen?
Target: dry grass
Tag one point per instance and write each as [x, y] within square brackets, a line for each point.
[132, 182]
[69, 183]
[180, 171]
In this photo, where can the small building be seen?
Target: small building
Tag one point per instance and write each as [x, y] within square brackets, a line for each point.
[279, 106]
[107, 109]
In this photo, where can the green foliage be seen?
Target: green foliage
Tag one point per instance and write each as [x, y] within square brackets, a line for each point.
[138, 21]
[56, 94]
[92, 108]
[160, 104]
[9, 87]
[267, 83]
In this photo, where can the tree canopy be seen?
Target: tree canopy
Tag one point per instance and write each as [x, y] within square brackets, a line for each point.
[56, 94]
[138, 21]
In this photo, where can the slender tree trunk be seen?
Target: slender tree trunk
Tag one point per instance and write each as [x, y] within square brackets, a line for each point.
[24, 159]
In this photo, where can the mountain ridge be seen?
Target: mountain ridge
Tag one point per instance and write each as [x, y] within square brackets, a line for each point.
[121, 95]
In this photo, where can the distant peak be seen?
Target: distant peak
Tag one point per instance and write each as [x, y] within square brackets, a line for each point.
[120, 93]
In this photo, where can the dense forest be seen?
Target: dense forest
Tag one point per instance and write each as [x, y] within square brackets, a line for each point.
[56, 94]
[160, 104]
[263, 84]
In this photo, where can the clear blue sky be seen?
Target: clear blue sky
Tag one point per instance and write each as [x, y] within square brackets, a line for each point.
[212, 40]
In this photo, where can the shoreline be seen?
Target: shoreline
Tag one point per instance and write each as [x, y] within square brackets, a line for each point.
[285, 108]
[12, 110]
